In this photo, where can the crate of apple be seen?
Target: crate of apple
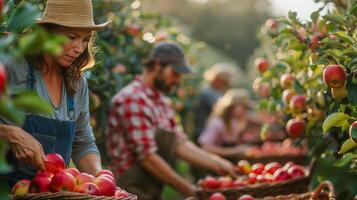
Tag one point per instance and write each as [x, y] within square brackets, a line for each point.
[258, 180]
[57, 181]
[276, 151]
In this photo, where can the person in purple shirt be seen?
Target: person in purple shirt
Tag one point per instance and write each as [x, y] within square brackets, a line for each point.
[229, 125]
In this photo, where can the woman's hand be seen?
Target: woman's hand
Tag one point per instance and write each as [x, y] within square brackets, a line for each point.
[26, 148]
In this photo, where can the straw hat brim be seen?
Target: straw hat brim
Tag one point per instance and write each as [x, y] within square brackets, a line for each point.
[92, 27]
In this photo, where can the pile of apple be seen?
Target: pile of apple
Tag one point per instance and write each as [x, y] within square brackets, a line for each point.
[57, 178]
[220, 196]
[254, 174]
[285, 148]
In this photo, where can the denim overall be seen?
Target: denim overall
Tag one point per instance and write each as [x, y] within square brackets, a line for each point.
[56, 136]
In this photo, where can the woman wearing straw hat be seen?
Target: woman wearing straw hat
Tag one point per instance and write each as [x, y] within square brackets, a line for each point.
[57, 79]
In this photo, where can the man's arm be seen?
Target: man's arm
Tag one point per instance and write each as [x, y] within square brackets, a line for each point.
[196, 156]
[160, 169]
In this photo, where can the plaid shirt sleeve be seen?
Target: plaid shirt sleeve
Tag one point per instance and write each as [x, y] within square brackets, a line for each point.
[135, 115]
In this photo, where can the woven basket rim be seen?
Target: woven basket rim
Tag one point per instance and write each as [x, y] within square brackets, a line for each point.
[70, 194]
[253, 186]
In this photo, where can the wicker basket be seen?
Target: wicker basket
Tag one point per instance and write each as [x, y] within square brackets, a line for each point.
[297, 185]
[297, 159]
[325, 191]
[319, 193]
[67, 196]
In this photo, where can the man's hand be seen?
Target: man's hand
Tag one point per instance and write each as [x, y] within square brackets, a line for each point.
[224, 167]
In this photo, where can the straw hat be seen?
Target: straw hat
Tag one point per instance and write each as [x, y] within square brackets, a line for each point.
[70, 13]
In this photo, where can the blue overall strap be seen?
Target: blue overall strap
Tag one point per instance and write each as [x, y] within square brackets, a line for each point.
[30, 78]
[70, 107]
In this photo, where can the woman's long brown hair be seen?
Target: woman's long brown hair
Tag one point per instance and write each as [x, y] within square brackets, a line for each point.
[72, 75]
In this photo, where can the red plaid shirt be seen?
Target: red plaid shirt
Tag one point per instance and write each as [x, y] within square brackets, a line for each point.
[136, 112]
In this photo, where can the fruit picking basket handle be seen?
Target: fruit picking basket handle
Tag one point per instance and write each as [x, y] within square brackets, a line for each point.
[325, 185]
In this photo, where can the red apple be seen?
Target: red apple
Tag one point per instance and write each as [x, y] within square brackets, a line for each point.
[287, 80]
[262, 179]
[3, 76]
[63, 181]
[272, 167]
[104, 172]
[121, 193]
[73, 171]
[40, 184]
[261, 64]
[87, 188]
[21, 187]
[271, 24]
[256, 84]
[109, 177]
[297, 103]
[217, 196]
[353, 131]
[296, 171]
[246, 197]
[54, 163]
[244, 167]
[288, 165]
[44, 174]
[287, 95]
[314, 42]
[252, 178]
[83, 178]
[339, 93]
[257, 168]
[239, 183]
[225, 182]
[264, 90]
[334, 76]
[211, 183]
[295, 127]
[105, 185]
[133, 30]
[281, 175]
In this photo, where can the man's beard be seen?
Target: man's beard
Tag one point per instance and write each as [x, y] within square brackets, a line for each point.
[160, 84]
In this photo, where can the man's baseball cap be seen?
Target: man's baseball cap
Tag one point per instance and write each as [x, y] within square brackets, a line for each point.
[171, 53]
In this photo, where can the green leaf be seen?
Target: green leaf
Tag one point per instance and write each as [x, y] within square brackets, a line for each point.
[334, 19]
[292, 15]
[298, 87]
[10, 112]
[352, 10]
[353, 133]
[351, 88]
[334, 120]
[347, 158]
[347, 145]
[4, 167]
[32, 44]
[32, 102]
[343, 36]
[315, 16]
[335, 53]
[23, 17]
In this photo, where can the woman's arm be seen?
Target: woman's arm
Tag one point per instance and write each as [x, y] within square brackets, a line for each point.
[85, 153]
[25, 147]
